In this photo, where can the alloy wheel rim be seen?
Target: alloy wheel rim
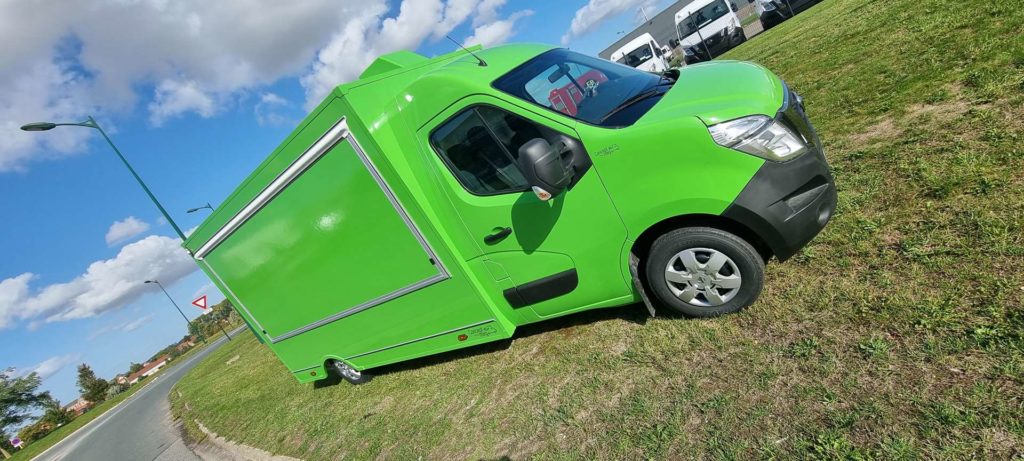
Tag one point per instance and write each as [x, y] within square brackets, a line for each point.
[703, 277]
[348, 371]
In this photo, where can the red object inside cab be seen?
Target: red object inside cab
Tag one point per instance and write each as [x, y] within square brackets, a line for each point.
[566, 98]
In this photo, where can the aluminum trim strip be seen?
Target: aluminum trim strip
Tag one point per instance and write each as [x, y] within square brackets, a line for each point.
[339, 131]
[234, 296]
[395, 202]
[453, 330]
[362, 307]
[323, 145]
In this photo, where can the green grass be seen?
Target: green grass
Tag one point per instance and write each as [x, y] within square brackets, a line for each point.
[897, 334]
[35, 448]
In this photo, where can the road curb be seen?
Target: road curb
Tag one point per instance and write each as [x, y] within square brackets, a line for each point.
[216, 448]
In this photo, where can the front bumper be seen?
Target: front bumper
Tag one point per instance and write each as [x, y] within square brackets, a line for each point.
[787, 204]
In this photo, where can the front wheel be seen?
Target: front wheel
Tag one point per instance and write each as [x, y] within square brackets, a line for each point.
[704, 272]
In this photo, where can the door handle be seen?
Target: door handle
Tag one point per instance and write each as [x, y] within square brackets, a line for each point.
[498, 235]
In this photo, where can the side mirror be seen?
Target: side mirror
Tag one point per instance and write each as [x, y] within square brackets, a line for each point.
[658, 51]
[733, 6]
[548, 169]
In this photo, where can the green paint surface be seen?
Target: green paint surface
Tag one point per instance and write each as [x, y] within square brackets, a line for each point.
[332, 240]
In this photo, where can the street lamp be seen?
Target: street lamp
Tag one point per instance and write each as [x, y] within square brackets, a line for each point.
[91, 123]
[157, 282]
[193, 210]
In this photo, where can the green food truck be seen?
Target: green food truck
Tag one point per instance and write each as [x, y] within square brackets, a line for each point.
[439, 203]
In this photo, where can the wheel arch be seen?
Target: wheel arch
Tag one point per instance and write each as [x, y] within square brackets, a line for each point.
[642, 245]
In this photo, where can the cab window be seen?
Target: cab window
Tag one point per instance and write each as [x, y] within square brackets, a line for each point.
[480, 145]
[593, 90]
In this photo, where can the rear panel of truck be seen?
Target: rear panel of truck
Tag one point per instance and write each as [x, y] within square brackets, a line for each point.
[320, 255]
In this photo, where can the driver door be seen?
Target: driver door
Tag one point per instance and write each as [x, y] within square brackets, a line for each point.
[549, 257]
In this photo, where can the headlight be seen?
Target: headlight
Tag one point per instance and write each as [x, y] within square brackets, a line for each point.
[761, 136]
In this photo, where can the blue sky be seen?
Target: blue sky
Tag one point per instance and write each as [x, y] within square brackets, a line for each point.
[195, 106]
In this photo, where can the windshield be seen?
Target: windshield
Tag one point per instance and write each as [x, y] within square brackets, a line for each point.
[702, 17]
[582, 87]
[638, 56]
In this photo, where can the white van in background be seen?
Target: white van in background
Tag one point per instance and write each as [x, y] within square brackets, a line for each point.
[774, 12]
[708, 28]
[643, 53]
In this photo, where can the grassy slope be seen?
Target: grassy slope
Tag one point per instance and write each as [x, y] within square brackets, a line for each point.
[897, 333]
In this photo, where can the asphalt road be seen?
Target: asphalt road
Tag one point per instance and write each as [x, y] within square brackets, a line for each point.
[141, 428]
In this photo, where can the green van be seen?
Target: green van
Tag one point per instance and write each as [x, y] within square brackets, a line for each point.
[436, 204]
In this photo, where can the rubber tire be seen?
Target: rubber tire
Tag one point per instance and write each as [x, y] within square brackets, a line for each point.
[364, 377]
[742, 39]
[747, 259]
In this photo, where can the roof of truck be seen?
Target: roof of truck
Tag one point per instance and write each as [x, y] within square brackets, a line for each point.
[499, 59]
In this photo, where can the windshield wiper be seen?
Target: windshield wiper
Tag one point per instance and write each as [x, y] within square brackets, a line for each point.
[652, 91]
[668, 76]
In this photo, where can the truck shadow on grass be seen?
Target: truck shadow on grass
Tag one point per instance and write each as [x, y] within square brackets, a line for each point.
[635, 313]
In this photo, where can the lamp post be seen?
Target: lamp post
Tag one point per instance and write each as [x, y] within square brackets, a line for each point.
[193, 210]
[157, 282]
[91, 123]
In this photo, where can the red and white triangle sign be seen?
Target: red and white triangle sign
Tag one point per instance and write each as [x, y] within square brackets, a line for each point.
[200, 302]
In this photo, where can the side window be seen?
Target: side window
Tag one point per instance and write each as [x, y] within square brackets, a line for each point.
[481, 147]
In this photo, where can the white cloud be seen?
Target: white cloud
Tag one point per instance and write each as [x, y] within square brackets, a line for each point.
[369, 34]
[455, 13]
[197, 57]
[487, 12]
[39, 91]
[106, 285]
[125, 229]
[12, 291]
[596, 12]
[496, 32]
[209, 290]
[174, 98]
[50, 366]
[99, 56]
[127, 326]
[137, 323]
[268, 110]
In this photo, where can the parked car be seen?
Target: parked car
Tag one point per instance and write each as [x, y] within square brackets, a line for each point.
[436, 204]
[773, 12]
[644, 53]
[708, 28]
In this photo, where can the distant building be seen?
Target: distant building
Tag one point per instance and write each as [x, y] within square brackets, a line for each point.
[78, 406]
[121, 379]
[148, 369]
[185, 344]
